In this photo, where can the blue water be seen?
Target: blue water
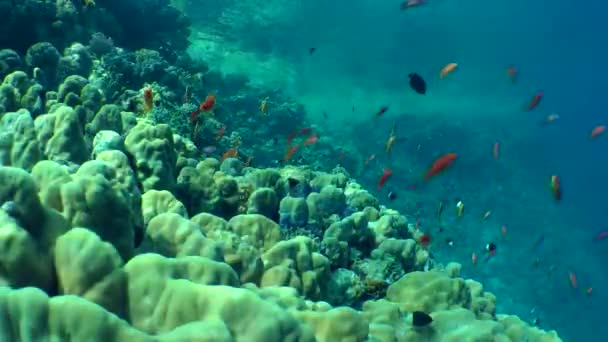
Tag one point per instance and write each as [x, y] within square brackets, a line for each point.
[364, 51]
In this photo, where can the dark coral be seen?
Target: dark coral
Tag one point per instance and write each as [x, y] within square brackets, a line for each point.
[132, 24]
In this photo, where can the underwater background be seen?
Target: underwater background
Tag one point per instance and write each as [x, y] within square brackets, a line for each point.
[225, 119]
[364, 52]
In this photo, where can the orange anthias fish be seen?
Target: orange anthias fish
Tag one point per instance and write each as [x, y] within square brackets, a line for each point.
[386, 174]
[597, 131]
[446, 70]
[148, 100]
[474, 258]
[496, 149]
[556, 187]
[290, 137]
[512, 73]
[535, 101]
[290, 152]
[440, 164]
[206, 106]
[231, 153]
[312, 139]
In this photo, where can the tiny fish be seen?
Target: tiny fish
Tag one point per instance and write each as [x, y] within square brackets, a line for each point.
[601, 235]
[386, 174]
[556, 187]
[290, 152]
[231, 153]
[312, 50]
[495, 150]
[417, 83]
[573, 281]
[446, 70]
[389, 143]
[535, 101]
[440, 164]
[263, 106]
[459, 208]
[382, 110]
[312, 139]
[597, 131]
[549, 118]
[474, 258]
[425, 240]
[411, 3]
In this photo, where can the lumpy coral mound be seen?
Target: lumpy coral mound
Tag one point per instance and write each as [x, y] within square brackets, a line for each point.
[114, 228]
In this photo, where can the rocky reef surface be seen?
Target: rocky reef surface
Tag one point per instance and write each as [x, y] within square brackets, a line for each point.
[116, 226]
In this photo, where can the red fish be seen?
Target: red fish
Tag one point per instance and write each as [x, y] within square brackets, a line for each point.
[597, 131]
[601, 235]
[231, 153]
[382, 110]
[290, 152]
[512, 73]
[440, 164]
[496, 148]
[425, 240]
[386, 174]
[304, 130]
[556, 187]
[312, 139]
[290, 137]
[208, 104]
[535, 100]
[194, 114]
[148, 100]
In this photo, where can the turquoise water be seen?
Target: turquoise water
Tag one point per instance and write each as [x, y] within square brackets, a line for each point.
[364, 51]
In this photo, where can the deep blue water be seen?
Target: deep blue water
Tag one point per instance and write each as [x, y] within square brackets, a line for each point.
[364, 51]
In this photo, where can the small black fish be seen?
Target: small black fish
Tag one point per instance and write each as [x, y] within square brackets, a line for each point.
[491, 247]
[421, 319]
[325, 115]
[312, 50]
[417, 83]
[391, 195]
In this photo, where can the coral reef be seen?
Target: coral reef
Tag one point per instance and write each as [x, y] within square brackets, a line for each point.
[62, 22]
[119, 221]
